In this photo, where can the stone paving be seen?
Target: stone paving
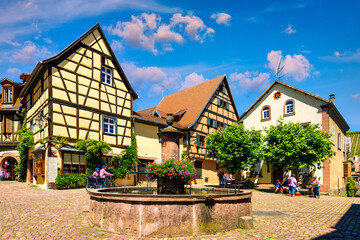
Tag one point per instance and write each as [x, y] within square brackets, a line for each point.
[30, 213]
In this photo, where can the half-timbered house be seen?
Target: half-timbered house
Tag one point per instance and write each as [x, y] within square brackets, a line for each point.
[10, 123]
[198, 111]
[80, 93]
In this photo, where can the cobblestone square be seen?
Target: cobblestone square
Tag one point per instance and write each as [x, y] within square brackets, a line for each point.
[30, 213]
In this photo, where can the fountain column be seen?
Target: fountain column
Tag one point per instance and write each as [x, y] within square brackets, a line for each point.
[170, 137]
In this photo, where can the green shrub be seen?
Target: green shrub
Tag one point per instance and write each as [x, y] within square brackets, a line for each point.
[68, 181]
[351, 187]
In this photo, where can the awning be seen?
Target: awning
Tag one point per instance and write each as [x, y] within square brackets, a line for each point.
[41, 148]
[69, 148]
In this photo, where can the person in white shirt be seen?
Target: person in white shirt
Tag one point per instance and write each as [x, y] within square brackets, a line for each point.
[227, 177]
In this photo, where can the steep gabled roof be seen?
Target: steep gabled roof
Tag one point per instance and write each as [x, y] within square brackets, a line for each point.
[190, 102]
[286, 85]
[326, 102]
[73, 45]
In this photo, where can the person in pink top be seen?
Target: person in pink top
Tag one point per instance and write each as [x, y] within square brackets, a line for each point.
[104, 173]
[96, 173]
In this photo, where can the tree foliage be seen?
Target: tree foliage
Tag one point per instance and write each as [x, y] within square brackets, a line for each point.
[26, 141]
[235, 147]
[94, 152]
[290, 145]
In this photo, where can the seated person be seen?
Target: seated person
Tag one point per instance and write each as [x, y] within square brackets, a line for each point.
[285, 186]
[278, 186]
[306, 181]
[297, 188]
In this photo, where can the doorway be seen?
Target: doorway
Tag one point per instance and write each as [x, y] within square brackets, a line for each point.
[7, 168]
[277, 173]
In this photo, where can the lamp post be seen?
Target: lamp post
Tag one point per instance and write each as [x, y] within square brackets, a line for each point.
[40, 121]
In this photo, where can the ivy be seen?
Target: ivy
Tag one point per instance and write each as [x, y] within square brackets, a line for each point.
[94, 152]
[126, 161]
[26, 141]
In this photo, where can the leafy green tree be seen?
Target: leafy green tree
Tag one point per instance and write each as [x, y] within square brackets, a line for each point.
[290, 145]
[234, 147]
[26, 141]
[94, 152]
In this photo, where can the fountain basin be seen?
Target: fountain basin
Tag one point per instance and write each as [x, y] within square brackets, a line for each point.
[151, 215]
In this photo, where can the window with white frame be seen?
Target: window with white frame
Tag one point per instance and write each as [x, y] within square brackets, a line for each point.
[109, 125]
[106, 75]
[8, 97]
[333, 134]
[266, 113]
[289, 107]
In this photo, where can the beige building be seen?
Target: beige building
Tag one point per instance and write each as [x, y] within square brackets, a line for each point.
[198, 111]
[80, 93]
[292, 104]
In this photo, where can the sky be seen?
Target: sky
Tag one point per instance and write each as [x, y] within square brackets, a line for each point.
[167, 46]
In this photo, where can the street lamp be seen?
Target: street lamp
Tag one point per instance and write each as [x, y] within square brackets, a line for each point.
[43, 121]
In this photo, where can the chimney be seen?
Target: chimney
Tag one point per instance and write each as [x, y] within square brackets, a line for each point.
[24, 77]
[332, 98]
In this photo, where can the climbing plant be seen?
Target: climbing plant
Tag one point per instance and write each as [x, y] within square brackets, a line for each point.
[94, 152]
[26, 141]
[126, 161]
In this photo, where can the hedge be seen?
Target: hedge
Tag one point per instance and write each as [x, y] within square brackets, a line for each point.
[69, 181]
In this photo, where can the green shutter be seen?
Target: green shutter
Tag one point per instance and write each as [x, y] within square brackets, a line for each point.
[215, 124]
[225, 125]
[208, 122]
[219, 102]
[198, 140]
[227, 106]
[224, 90]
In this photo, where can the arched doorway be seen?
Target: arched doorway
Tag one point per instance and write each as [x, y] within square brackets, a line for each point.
[7, 167]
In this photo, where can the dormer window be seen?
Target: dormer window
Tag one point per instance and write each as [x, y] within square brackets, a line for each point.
[106, 75]
[8, 96]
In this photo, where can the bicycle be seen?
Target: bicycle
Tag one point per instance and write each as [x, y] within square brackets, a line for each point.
[93, 183]
[108, 183]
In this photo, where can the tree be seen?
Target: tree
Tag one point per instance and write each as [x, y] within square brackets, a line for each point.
[94, 152]
[26, 141]
[290, 145]
[234, 147]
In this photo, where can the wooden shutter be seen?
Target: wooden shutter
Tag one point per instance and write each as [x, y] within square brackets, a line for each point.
[215, 124]
[208, 122]
[198, 140]
[9, 124]
[227, 106]
[219, 102]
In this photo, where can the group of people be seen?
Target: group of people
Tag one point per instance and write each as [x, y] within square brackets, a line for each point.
[291, 185]
[223, 178]
[6, 171]
[101, 173]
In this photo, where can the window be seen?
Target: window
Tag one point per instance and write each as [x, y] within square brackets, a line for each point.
[74, 163]
[333, 134]
[289, 107]
[185, 139]
[339, 140]
[106, 75]
[31, 124]
[200, 140]
[109, 125]
[210, 122]
[8, 97]
[42, 86]
[266, 113]
[223, 104]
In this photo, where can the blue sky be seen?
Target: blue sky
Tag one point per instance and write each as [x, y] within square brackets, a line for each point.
[165, 46]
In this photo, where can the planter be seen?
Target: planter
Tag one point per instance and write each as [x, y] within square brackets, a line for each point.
[170, 186]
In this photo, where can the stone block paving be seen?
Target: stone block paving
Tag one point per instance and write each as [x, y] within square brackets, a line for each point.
[30, 213]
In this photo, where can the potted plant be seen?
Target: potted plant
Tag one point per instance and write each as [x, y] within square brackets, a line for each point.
[171, 175]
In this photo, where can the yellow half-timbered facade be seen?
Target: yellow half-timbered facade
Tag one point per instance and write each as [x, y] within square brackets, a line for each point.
[80, 93]
[198, 111]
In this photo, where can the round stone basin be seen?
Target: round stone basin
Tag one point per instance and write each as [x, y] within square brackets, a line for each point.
[134, 211]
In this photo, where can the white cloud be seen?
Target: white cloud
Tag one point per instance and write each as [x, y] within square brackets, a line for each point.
[30, 53]
[13, 71]
[117, 46]
[356, 97]
[352, 56]
[306, 51]
[222, 18]
[140, 75]
[20, 18]
[147, 32]
[48, 40]
[251, 19]
[252, 81]
[296, 66]
[192, 80]
[289, 30]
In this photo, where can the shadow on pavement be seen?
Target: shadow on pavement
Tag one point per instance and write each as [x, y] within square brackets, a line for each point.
[347, 227]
